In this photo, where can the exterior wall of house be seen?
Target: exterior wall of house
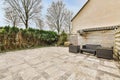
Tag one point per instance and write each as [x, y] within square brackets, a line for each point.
[97, 13]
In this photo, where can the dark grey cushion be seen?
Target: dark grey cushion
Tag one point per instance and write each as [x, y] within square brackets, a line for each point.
[94, 47]
[89, 50]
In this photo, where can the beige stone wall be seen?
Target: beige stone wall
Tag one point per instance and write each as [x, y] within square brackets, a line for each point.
[98, 13]
[104, 38]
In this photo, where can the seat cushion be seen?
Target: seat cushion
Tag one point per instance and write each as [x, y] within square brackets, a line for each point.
[93, 47]
[88, 50]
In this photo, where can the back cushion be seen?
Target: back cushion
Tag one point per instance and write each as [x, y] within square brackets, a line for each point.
[89, 46]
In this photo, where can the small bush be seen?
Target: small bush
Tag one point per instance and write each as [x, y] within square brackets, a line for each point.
[62, 38]
[49, 37]
[13, 30]
[7, 28]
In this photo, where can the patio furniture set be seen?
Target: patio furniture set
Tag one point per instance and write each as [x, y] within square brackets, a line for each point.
[96, 50]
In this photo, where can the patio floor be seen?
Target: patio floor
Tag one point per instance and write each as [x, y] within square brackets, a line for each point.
[55, 63]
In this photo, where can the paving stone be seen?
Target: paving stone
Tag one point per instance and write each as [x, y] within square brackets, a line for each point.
[93, 60]
[42, 78]
[16, 76]
[110, 64]
[64, 57]
[109, 70]
[55, 63]
[65, 76]
[72, 77]
[18, 68]
[108, 77]
[33, 61]
[43, 65]
[2, 76]
[45, 75]
[28, 74]
[87, 71]
[79, 57]
[4, 73]
[7, 78]
[13, 61]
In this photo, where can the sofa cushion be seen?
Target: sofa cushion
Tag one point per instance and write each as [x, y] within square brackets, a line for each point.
[88, 50]
[94, 47]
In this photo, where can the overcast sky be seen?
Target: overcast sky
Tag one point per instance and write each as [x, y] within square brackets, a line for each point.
[73, 5]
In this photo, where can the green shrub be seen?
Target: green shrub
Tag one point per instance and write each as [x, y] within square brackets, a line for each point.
[13, 37]
[62, 38]
[13, 30]
[2, 31]
[6, 28]
[49, 37]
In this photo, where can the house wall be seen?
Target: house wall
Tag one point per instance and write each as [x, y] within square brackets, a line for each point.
[104, 38]
[97, 13]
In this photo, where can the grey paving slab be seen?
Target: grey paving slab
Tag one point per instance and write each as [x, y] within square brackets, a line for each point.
[55, 63]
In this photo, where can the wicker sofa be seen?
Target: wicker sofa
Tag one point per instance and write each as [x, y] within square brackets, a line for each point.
[89, 48]
[106, 53]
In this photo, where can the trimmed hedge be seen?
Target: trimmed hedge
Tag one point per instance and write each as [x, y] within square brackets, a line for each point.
[12, 38]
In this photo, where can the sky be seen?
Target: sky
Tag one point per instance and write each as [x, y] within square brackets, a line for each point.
[73, 5]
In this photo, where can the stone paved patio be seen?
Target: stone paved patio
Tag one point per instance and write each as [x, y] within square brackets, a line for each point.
[55, 63]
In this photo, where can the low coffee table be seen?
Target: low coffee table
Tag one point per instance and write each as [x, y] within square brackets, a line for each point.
[106, 53]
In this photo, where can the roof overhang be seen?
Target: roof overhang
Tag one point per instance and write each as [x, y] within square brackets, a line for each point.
[99, 29]
[80, 10]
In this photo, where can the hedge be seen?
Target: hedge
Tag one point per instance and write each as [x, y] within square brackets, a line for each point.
[13, 38]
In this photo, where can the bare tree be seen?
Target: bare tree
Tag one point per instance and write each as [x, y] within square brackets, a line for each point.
[68, 17]
[11, 17]
[56, 16]
[39, 23]
[26, 9]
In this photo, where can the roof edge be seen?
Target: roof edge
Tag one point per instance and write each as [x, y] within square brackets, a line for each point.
[80, 10]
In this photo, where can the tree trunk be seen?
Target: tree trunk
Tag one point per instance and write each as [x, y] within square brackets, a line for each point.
[69, 30]
[14, 24]
[26, 24]
[58, 31]
[58, 27]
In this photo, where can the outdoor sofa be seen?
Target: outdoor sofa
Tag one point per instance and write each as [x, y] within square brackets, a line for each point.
[90, 48]
[106, 53]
